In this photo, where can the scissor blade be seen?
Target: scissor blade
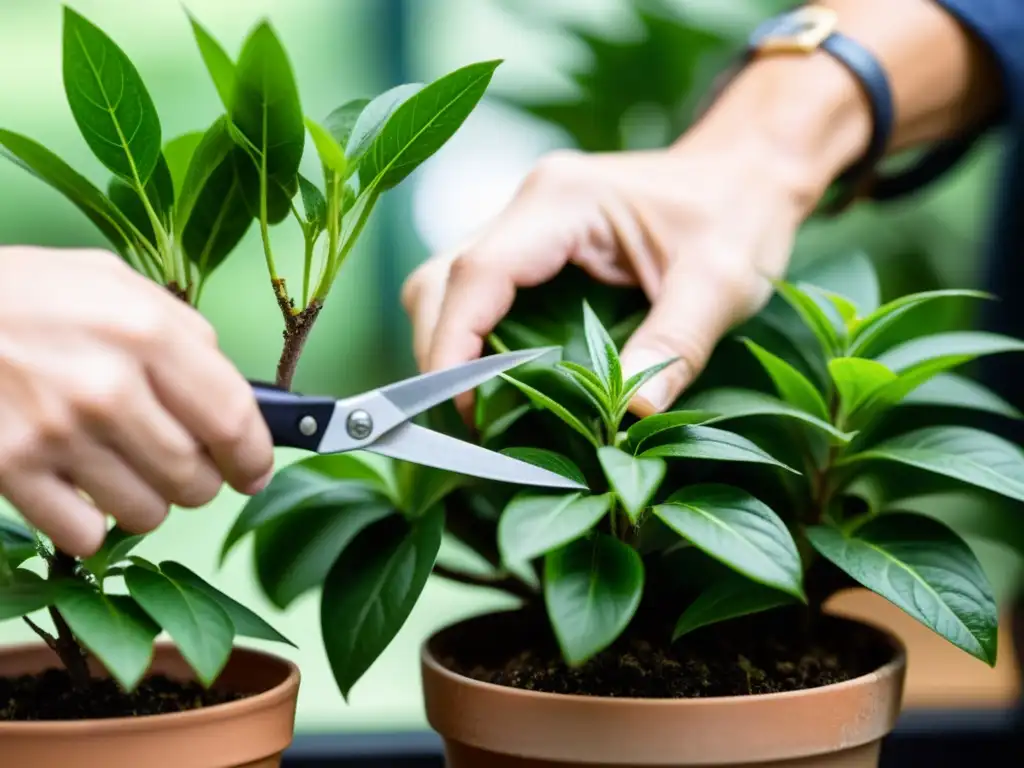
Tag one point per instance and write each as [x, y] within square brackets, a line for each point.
[420, 445]
[416, 395]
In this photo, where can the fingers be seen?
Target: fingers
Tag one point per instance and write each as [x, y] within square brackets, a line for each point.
[698, 301]
[50, 504]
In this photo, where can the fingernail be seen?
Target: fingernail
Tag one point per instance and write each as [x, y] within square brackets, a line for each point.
[655, 393]
[253, 488]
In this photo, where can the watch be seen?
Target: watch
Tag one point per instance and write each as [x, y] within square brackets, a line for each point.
[811, 28]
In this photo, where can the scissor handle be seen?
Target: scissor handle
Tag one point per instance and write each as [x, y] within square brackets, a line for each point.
[294, 420]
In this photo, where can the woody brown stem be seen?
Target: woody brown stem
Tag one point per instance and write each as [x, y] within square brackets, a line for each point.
[178, 291]
[71, 653]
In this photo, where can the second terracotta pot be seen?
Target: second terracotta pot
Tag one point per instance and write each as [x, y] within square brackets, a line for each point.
[247, 733]
[492, 726]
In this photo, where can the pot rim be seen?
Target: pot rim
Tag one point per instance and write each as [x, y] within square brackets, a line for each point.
[226, 711]
[890, 669]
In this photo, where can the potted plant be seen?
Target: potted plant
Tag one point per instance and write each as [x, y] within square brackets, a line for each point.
[675, 615]
[98, 685]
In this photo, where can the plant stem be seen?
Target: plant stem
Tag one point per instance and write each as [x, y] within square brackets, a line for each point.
[71, 654]
[334, 261]
[508, 584]
[296, 332]
[307, 265]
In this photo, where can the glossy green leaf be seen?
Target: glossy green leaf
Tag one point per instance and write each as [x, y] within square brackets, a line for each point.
[633, 383]
[592, 588]
[954, 391]
[320, 481]
[921, 566]
[540, 400]
[178, 154]
[589, 384]
[116, 548]
[330, 151]
[709, 443]
[26, 593]
[314, 204]
[211, 153]
[341, 122]
[423, 124]
[114, 628]
[792, 386]
[728, 598]
[109, 101]
[870, 329]
[857, 380]
[730, 404]
[18, 541]
[650, 426]
[813, 316]
[962, 453]
[267, 112]
[220, 217]
[159, 192]
[738, 530]
[196, 622]
[371, 119]
[533, 524]
[850, 275]
[245, 622]
[633, 479]
[604, 357]
[555, 462]
[295, 553]
[963, 345]
[372, 589]
[46, 166]
[218, 63]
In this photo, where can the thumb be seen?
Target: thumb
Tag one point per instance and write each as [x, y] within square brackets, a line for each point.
[688, 317]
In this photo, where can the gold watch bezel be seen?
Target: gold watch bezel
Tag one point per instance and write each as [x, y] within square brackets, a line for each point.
[820, 23]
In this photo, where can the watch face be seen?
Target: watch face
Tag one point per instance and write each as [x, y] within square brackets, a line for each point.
[803, 29]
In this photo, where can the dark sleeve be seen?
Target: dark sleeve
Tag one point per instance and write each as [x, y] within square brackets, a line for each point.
[999, 25]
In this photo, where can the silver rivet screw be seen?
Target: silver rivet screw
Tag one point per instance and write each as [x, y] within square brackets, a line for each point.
[307, 426]
[359, 425]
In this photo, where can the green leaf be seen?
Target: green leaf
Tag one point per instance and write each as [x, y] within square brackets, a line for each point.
[266, 111]
[728, 598]
[159, 192]
[709, 443]
[295, 553]
[218, 63]
[662, 422]
[109, 101]
[592, 588]
[540, 400]
[314, 204]
[868, 331]
[18, 542]
[812, 315]
[320, 481]
[330, 151]
[739, 530]
[341, 122]
[114, 628]
[115, 548]
[604, 357]
[27, 593]
[422, 125]
[196, 622]
[555, 462]
[532, 525]
[637, 380]
[178, 154]
[212, 152]
[634, 480]
[793, 386]
[371, 120]
[961, 345]
[730, 404]
[245, 622]
[851, 275]
[920, 565]
[589, 384]
[46, 166]
[857, 380]
[962, 453]
[951, 390]
[220, 217]
[372, 589]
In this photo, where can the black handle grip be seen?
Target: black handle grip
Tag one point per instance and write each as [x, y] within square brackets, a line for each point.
[295, 421]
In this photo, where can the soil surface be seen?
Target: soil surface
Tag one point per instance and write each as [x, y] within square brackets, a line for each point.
[51, 696]
[735, 658]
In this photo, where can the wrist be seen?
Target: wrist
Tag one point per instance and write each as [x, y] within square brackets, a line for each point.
[801, 119]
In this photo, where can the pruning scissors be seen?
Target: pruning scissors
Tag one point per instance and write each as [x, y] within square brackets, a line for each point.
[379, 421]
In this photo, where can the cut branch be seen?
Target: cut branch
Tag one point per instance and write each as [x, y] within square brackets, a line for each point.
[509, 584]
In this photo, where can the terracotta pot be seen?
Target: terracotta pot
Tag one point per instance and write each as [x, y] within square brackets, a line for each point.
[492, 726]
[249, 733]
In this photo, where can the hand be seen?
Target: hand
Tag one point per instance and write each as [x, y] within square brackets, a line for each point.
[111, 387]
[703, 232]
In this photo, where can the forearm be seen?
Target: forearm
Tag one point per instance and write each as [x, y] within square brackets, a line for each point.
[809, 114]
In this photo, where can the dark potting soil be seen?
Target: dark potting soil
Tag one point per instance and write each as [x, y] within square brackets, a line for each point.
[51, 696]
[736, 658]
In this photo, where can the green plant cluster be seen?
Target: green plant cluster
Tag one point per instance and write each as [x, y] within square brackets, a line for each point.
[781, 477]
[175, 210]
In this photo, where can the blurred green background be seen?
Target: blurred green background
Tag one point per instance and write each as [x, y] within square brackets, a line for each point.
[601, 74]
